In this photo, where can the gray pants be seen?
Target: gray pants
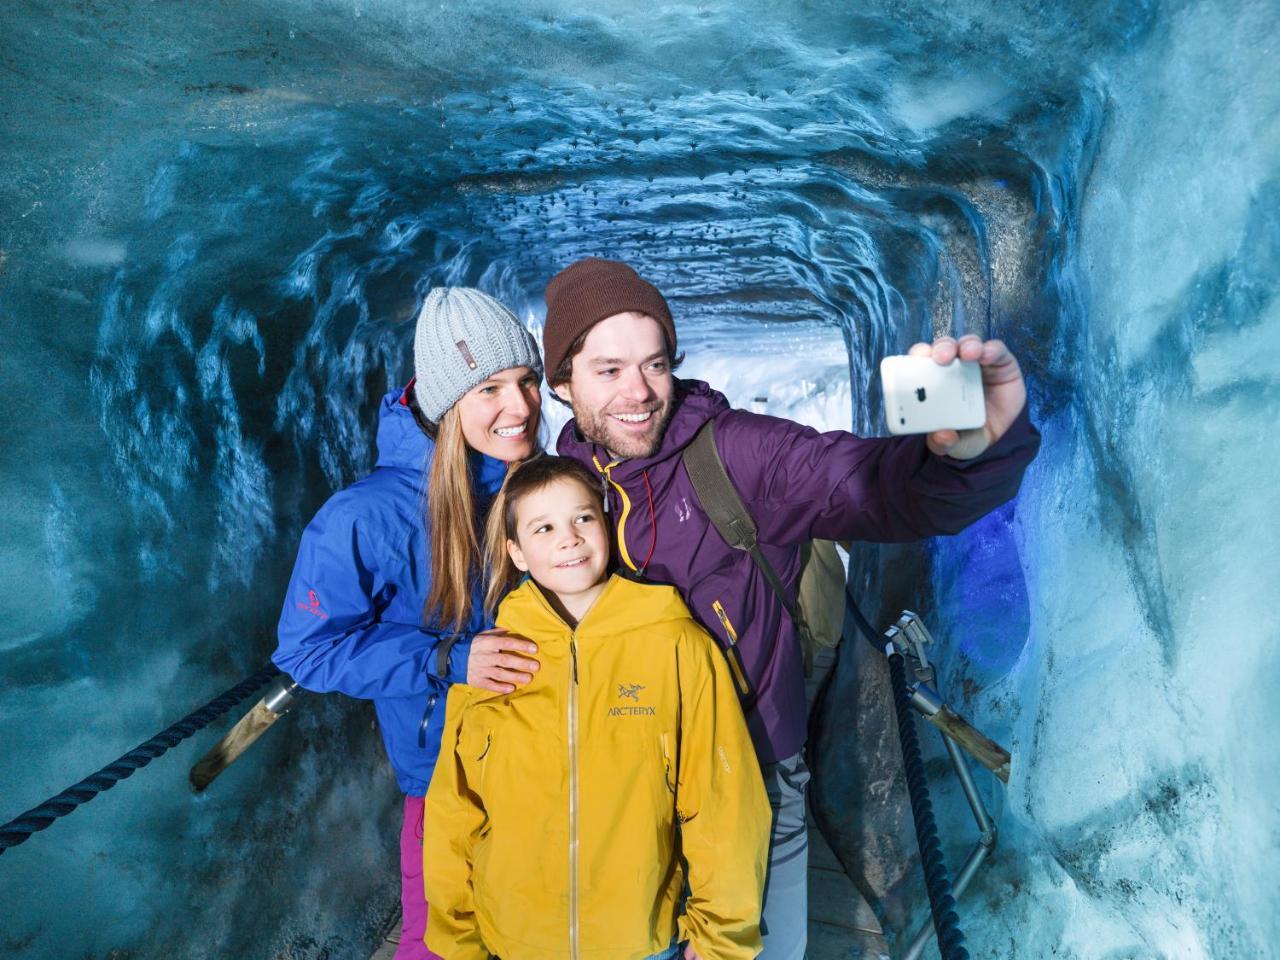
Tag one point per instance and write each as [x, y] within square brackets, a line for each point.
[785, 923]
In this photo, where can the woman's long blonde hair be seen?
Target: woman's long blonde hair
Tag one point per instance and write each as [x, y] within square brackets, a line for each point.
[501, 572]
[451, 520]
[456, 560]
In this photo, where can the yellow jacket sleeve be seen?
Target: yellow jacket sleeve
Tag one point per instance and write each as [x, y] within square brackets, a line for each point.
[452, 819]
[722, 806]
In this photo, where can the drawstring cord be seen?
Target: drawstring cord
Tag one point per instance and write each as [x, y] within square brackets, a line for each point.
[653, 527]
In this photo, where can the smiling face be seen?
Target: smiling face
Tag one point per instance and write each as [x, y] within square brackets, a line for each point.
[622, 389]
[499, 417]
[562, 542]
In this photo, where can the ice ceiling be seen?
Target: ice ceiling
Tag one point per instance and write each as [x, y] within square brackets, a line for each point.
[219, 218]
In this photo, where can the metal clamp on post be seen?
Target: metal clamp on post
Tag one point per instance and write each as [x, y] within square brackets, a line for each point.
[910, 637]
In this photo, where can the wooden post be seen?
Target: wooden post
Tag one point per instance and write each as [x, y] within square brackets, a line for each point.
[248, 729]
[985, 750]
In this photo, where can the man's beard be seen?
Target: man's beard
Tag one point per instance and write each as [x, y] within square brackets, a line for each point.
[598, 427]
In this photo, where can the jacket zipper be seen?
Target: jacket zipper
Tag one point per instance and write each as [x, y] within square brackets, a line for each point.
[735, 666]
[626, 509]
[666, 763]
[573, 802]
[426, 719]
[483, 759]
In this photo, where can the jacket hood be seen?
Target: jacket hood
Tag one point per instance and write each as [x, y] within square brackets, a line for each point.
[621, 605]
[696, 403]
[402, 444]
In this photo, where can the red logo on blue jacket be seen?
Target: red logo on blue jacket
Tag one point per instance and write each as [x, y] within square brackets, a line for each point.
[312, 606]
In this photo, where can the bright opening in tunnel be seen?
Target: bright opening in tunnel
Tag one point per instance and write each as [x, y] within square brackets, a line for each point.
[221, 221]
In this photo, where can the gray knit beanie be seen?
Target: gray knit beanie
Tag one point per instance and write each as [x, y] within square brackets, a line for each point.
[463, 338]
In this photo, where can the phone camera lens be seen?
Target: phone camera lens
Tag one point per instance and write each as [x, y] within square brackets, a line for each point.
[903, 421]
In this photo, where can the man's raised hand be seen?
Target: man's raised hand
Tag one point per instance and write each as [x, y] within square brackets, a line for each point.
[1002, 385]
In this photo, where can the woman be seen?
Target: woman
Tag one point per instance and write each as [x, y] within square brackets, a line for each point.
[385, 602]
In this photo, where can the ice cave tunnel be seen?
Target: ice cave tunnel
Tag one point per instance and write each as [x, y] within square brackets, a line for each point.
[219, 221]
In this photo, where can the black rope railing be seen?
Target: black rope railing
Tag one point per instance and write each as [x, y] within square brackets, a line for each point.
[17, 831]
[937, 881]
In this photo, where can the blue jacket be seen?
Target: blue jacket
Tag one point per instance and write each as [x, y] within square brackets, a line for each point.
[352, 617]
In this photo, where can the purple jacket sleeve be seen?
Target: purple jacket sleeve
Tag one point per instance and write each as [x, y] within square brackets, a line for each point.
[800, 484]
[332, 636]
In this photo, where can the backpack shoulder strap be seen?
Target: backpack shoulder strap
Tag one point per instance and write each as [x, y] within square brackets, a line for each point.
[728, 514]
[720, 499]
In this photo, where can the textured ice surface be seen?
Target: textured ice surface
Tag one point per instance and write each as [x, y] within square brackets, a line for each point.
[218, 220]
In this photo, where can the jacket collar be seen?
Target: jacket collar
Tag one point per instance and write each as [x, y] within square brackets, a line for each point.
[622, 606]
[487, 473]
[696, 403]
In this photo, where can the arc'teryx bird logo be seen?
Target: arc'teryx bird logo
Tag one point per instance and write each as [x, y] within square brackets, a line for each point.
[631, 691]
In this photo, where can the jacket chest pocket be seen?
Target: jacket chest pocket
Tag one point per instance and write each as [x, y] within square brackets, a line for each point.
[730, 648]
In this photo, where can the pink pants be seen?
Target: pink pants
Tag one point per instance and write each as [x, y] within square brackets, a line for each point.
[413, 896]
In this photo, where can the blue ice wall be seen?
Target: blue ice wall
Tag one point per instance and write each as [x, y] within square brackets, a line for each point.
[218, 220]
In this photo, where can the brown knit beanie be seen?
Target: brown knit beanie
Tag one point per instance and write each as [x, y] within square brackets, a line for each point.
[586, 292]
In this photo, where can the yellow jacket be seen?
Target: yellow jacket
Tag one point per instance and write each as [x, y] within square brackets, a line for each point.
[551, 820]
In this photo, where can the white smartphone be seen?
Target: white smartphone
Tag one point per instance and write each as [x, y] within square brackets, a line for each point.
[921, 396]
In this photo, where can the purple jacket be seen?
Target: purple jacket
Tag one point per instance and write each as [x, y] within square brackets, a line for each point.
[798, 485]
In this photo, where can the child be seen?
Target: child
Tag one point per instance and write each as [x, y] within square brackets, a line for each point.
[553, 810]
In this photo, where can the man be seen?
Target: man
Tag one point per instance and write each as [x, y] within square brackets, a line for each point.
[610, 352]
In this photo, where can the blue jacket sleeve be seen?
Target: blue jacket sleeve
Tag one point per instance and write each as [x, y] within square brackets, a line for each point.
[332, 634]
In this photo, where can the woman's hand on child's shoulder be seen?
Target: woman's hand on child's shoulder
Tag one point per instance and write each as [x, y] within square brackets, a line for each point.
[496, 662]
